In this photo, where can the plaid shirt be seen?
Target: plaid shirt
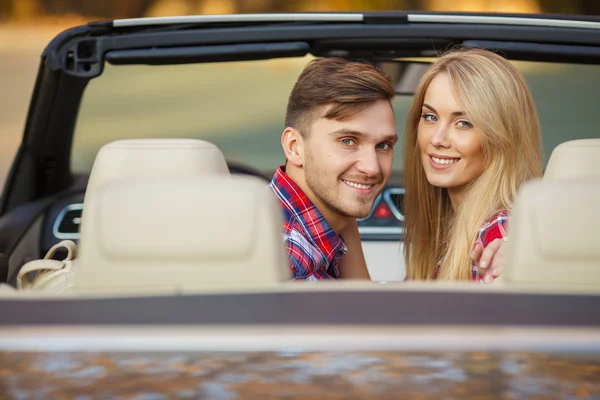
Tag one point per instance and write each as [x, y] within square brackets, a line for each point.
[313, 247]
[494, 228]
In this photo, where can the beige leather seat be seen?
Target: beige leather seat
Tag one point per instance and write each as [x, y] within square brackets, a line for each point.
[127, 159]
[181, 234]
[554, 234]
[576, 158]
[553, 227]
[155, 157]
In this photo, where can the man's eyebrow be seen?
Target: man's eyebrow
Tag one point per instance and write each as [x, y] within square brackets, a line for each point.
[454, 114]
[346, 131]
[352, 132]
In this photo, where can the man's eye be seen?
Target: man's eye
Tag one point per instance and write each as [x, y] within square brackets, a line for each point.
[348, 142]
[384, 146]
[429, 117]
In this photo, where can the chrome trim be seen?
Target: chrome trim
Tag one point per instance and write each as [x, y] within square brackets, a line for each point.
[375, 204]
[387, 197]
[380, 230]
[156, 339]
[207, 19]
[59, 219]
[489, 20]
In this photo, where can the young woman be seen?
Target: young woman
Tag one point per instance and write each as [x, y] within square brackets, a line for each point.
[472, 137]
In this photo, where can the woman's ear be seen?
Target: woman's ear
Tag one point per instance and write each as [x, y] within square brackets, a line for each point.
[293, 147]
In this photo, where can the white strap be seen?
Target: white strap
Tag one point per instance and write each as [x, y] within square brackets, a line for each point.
[67, 244]
[46, 268]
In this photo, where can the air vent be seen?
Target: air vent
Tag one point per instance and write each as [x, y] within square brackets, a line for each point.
[68, 222]
[384, 222]
[395, 200]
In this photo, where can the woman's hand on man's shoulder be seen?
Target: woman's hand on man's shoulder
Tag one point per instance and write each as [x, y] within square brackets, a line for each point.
[489, 260]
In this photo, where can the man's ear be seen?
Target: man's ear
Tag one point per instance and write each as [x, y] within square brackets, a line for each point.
[293, 146]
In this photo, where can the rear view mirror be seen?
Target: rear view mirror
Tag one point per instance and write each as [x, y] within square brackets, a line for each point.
[405, 75]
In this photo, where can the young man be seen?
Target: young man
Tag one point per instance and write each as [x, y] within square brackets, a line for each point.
[338, 142]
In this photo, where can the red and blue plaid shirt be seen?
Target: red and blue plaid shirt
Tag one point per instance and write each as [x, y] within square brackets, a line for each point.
[313, 247]
[494, 228]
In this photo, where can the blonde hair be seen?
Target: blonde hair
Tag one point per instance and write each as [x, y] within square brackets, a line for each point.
[497, 101]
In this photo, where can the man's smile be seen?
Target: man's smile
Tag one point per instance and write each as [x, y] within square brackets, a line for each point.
[357, 185]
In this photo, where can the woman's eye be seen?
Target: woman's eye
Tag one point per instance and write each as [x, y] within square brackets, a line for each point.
[429, 117]
[348, 142]
[464, 124]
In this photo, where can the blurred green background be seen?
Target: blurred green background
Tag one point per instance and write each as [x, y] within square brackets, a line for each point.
[239, 106]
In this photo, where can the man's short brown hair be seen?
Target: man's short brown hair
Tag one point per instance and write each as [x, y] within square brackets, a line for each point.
[348, 86]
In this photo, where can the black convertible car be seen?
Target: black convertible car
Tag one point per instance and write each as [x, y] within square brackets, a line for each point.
[149, 143]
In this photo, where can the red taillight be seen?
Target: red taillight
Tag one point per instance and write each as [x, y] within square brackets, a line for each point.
[382, 211]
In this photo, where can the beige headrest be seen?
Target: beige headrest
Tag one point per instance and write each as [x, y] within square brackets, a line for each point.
[576, 158]
[553, 233]
[155, 157]
[179, 234]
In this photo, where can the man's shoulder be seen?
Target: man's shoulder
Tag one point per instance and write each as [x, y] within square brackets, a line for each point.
[285, 190]
[295, 235]
[305, 258]
[284, 204]
[305, 232]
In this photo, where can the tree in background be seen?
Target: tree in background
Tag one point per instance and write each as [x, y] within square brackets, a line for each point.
[25, 9]
[20, 9]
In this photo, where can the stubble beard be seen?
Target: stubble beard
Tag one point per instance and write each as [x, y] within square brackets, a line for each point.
[315, 180]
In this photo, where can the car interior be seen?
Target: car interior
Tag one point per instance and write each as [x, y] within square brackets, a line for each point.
[156, 185]
[141, 252]
[169, 187]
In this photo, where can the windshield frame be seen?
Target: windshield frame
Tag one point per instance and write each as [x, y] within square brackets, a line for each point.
[42, 165]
